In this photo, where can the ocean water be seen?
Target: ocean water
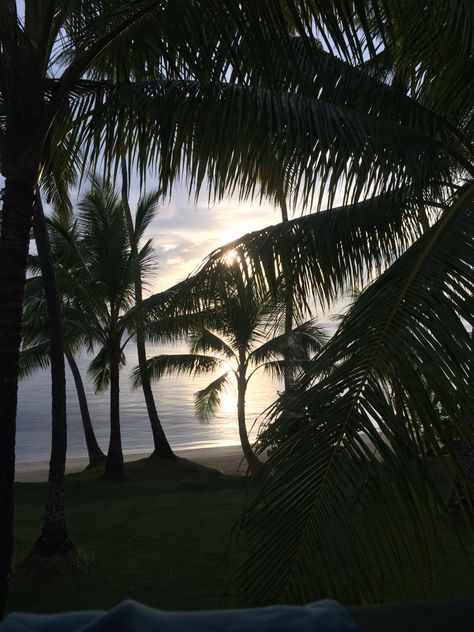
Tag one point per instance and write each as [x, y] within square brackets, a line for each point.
[175, 403]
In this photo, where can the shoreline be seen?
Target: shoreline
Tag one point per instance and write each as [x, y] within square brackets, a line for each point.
[226, 459]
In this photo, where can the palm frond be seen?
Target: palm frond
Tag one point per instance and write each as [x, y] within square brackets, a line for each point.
[353, 496]
[294, 346]
[206, 341]
[226, 136]
[35, 313]
[186, 364]
[276, 368]
[99, 369]
[429, 39]
[208, 399]
[33, 358]
[166, 315]
[147, 261]
[322, 254]
[147, 210]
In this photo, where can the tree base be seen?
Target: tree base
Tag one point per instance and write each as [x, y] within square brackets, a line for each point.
[163, 453]
[53, 540]
[97, 459]
[55, 567]
[255, 466]
[114, 474]
[114, 468]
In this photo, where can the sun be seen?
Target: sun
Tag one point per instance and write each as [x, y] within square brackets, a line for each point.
[228, 401]
[230, 257]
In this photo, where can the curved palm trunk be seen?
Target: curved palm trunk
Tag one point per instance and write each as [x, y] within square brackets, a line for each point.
[14, 242]
[254, 464]
[162, 447]
[53, 538]
[114, 468]
[94, 451]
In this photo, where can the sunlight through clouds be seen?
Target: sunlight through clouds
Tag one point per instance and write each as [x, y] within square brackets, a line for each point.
[184, 232]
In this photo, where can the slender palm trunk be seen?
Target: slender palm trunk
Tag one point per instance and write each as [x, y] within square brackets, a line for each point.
[114, 468]
[14, 243]
[162, 447]
[94, 451]
[53, 538]
[254, 464]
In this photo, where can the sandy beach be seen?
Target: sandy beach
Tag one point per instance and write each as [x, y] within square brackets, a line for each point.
[226, 459]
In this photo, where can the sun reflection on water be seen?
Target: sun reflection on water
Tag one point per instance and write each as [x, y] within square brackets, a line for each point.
[229, 401]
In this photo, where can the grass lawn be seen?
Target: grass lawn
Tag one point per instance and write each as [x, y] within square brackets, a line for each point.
[159, 537]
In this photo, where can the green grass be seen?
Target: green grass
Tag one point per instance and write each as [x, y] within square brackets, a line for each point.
[159, 537]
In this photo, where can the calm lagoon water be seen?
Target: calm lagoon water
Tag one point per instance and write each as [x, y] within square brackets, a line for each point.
[174, 398]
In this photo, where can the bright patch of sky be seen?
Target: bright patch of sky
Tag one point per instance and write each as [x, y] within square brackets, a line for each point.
[184, 233]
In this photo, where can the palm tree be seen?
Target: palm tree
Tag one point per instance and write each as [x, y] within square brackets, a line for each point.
[53, 538]
[35, 354]
[241, 340]
[145, 213]
[94, 451]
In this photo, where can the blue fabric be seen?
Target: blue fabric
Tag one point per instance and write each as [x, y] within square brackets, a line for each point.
[129, 616]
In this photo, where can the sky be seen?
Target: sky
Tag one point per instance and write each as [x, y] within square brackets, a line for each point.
[184, 233]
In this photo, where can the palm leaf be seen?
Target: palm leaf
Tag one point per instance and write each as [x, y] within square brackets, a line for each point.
[99, 369]
[33, 358]
[357, 508]
[208, 399]
[147, 210]
[237, 130]
[187, 364]
[296, 345]
[322, 254]
[206, 341]
[276, 368]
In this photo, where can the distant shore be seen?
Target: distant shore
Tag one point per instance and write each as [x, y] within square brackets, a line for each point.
[226, 459]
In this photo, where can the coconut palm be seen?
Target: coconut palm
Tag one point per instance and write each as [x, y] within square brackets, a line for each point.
[65, 237]
[136, 227]
[241, 340]
[35, 354]
[53, 538]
